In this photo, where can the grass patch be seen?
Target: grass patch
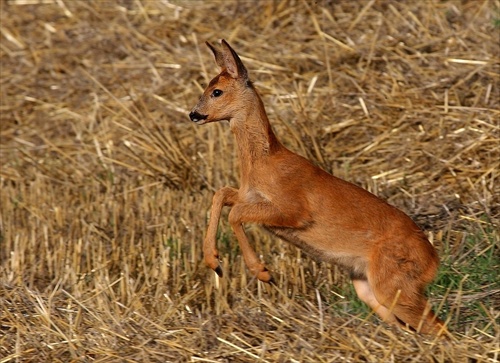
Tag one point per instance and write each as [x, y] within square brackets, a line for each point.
[469, 273]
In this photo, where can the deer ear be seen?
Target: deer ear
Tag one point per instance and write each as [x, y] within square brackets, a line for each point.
[233, 63]
[219, 59]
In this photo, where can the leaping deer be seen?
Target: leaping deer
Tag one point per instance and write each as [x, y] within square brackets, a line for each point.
[389, 258]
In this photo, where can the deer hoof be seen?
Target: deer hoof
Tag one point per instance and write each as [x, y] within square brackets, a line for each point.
[212, 261]
[218, 270]
[265, 276]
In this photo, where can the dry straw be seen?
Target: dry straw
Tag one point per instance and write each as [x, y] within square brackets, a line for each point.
[105, 183]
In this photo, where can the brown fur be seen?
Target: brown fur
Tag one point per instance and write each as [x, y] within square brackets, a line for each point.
[388, 257]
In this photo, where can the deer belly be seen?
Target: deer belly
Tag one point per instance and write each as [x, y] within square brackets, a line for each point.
[354, 263]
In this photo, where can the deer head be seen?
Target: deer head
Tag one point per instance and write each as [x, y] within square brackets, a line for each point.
[226, 94]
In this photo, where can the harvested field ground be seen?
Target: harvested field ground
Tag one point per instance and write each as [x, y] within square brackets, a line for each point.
[106, 184]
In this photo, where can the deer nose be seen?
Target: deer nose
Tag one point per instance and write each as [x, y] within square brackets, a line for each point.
[195, 116]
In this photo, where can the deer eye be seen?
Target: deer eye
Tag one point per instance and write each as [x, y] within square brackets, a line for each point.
[216, 93]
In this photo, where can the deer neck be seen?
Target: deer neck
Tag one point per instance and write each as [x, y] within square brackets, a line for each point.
[254, 136]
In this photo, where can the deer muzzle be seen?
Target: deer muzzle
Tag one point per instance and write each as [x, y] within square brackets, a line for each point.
[197, 117]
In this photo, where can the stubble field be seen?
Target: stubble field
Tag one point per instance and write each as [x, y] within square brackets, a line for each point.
[106, 184]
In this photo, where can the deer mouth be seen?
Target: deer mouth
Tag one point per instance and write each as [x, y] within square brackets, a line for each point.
[197, 117]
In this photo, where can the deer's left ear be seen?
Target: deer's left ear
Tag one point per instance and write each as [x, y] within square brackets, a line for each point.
[233, 63]
[219, 59]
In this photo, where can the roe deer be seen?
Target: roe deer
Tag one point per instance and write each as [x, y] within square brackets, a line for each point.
[388, 257]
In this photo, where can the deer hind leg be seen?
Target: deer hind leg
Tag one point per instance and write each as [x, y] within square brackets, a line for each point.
[411, 308]
[223, 197]
[365, 293]
[418, 315]
[402, 291]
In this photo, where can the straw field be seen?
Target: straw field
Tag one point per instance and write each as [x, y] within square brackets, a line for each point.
[106, 184]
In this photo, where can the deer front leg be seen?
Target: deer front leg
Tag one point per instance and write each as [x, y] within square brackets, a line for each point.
[261, 213]
[223, 197]
[253, 263]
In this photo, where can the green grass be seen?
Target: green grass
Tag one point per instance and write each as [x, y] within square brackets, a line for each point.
[469, 277]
